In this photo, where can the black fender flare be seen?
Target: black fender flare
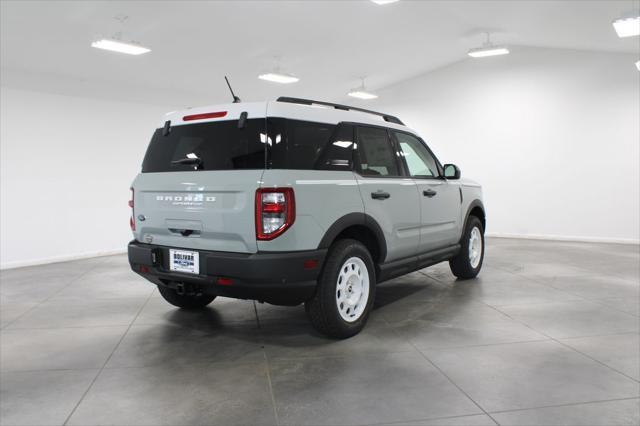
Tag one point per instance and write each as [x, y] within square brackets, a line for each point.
[352, 219]
[473, 205]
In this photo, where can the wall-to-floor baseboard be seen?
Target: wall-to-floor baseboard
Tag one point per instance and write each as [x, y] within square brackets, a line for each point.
[58, 259]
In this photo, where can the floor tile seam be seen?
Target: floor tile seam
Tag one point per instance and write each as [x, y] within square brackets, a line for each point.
[569, 404]
[50, 296]
[116, 346]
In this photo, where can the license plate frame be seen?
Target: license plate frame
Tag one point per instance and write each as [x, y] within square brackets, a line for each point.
[185, 261]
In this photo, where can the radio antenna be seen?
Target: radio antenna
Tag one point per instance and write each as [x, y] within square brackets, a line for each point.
[235, 98]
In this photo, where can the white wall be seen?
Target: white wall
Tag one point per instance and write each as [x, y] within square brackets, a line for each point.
[66, 167]
[553, 136]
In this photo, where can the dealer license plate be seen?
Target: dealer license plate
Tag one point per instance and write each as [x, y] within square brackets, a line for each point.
[184, 261]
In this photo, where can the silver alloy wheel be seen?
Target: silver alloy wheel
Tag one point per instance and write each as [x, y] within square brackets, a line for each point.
[475, 247]
[352, 289]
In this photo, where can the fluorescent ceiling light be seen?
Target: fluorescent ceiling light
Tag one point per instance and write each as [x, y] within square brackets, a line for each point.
[638, 65]
[361, 94]
[482, 52]
[119, 46]
[384, 1]
[279, 78]
[627, 27]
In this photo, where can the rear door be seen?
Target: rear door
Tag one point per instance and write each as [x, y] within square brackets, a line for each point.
[198, 182]
[439, 199]
[391, 199]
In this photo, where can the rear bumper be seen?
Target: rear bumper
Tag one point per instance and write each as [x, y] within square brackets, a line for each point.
[282, 278]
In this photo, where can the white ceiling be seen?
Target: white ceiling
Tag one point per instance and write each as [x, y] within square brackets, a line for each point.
[328, 44]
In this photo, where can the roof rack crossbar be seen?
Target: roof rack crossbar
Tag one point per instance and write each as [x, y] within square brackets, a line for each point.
[386, 117]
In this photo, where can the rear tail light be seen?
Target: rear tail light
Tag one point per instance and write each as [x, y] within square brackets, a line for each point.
[132, 220]
[275, 212]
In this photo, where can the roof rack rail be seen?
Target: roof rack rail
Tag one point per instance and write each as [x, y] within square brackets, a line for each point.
[386, 117]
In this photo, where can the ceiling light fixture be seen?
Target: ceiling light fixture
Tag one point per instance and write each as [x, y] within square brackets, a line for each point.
[628, 25]
[638, 65]
[120, 46]
[488, 49]
[381, 2]
[278, 77]
[361, 92]
[116, 44]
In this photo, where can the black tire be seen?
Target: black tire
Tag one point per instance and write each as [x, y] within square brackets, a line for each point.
[322, 309]
[185, 301]
[461, 265]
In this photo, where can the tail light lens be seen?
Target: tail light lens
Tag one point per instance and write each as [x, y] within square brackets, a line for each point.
[275, 212]
[132, 220]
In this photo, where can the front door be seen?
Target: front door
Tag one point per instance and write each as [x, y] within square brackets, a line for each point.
[439, 198]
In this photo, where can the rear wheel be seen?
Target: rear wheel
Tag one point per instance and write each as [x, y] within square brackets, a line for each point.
[346, 289]
[185, 301]
[468, 262]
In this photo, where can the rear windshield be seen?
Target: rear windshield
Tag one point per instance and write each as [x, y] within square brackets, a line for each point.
[221, 145]
[217, 145]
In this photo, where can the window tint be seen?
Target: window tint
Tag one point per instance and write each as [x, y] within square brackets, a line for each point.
[296, 144]
[418, 159]
[376, 155]
[338, 154]
[218, 145]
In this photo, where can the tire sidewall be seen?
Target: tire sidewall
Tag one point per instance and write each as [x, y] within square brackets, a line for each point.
[329, 282]
[474, 222]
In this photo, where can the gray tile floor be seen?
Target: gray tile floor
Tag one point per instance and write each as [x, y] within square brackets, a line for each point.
[549, 334]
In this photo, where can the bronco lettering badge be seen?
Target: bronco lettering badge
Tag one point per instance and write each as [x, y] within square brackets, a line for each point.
[186, 199]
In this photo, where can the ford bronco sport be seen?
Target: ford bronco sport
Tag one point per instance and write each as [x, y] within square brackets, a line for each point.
[297, 201]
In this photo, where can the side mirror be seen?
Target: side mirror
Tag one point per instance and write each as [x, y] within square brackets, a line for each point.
[451, 171]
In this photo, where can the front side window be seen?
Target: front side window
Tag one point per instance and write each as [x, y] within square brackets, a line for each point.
[419, 161]
[375, 152]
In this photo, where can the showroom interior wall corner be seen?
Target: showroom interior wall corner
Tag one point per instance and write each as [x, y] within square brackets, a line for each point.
[553, 136]
[66, 167]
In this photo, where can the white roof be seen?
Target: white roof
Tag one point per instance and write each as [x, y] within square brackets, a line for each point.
[316, 113]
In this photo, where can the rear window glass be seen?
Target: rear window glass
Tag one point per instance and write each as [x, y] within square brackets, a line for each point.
[219, 145]
[306, 145]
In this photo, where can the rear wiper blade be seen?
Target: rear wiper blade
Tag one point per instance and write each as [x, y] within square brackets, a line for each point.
[186, 161]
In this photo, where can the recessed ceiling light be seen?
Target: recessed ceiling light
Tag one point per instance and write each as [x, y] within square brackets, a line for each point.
[361, 92]
[384, 1]
[277, 77]
[488, 49]
[120, 46]
[627, 26]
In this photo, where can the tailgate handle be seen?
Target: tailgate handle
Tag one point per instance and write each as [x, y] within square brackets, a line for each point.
[184, 232]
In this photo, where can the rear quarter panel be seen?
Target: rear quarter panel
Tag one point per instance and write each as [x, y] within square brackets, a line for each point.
[322, 197]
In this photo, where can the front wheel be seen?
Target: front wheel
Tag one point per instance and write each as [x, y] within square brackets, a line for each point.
[468, 262]
[346, 289]
[185, 301]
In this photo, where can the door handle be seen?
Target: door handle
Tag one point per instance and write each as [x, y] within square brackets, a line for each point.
[429, 193]
[380, 195]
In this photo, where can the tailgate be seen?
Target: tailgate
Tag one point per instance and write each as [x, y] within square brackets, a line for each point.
[204, 210]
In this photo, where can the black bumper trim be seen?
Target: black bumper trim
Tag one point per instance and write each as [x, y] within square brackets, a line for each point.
[274, 277]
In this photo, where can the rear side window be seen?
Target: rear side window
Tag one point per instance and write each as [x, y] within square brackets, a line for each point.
[219, 145]
[377, 158]
[297, 144]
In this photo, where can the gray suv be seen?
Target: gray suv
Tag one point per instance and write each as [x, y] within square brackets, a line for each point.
[297, 201]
